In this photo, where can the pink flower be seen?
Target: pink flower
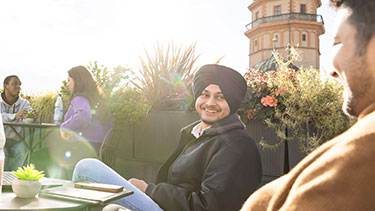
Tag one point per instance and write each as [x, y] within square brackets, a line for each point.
[269, 101]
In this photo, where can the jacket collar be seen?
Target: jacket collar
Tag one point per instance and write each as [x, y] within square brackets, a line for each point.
[5, 102]
[231, 122]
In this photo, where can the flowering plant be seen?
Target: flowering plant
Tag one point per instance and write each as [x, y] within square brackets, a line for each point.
[300, 105]
[264, 93]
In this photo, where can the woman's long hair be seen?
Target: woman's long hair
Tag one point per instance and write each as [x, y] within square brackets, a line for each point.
[86, 86]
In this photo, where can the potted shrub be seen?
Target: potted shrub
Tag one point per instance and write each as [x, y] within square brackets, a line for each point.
[302, 107]
[165, 77]
[45, 104]
[27, 184]
[259, 104]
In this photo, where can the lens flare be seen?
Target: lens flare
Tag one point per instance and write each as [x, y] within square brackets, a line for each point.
[68, 154]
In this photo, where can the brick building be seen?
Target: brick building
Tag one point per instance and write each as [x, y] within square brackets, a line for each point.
[278, 23]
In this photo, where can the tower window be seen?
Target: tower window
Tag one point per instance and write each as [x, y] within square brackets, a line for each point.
[255, 43]
[304, 37]
[303, 8]
[277, 10]
[256, 15]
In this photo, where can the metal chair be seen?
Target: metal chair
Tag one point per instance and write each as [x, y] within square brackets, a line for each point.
[109, 148]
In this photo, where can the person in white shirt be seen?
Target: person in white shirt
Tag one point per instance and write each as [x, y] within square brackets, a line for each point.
[13, 109]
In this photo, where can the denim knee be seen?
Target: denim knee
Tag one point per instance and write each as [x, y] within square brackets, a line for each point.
[87, 166]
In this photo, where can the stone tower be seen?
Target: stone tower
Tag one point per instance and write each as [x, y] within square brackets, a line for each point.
[278, 23]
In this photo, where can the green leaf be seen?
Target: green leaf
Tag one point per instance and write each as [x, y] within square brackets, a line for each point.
[28, 173]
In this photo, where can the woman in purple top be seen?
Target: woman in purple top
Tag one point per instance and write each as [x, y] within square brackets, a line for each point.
[88, 115]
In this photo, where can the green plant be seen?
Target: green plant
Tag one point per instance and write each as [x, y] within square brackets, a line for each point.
[262, 97]
[306, 106]
[313, 110]
[44, 104]
[64, 89]
[30, 115]
[28, 173]
[128, 106]
[109, 79]
[165, 77]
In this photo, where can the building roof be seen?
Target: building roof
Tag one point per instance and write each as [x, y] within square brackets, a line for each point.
[271, 64]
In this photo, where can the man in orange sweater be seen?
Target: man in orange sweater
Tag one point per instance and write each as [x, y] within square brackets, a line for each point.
[339, 175]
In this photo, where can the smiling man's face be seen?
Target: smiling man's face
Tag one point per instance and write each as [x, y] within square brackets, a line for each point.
[356, 72]
[211, 105]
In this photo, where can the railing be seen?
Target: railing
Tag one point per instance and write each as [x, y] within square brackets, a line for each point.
[285, 17]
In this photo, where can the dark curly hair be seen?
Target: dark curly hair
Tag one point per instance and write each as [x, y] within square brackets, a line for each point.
[86, 86]
[362, 18]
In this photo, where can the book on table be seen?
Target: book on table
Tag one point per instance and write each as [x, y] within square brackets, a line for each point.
[83, 195]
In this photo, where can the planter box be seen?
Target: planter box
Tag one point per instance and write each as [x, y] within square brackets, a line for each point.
[129, 168]
[158, 135]
[294, 153]
[272, 159]
[123, 139]
[145, 146]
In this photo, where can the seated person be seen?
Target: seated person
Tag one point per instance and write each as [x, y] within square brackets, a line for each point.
[215, 166]
[88, 115]
[14, 109]
[339, 175]
[85, 125]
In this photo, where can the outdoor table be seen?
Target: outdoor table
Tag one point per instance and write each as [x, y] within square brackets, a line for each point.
[9, 201]
[29, 141]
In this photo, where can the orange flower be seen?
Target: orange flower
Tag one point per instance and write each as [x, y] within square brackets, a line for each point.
[264, 101]
[251, 114]
[269, 101]
[277, 92]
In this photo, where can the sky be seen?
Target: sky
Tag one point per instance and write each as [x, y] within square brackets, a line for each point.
[41, 40]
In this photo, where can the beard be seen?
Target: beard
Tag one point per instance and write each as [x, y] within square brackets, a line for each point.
[210, 122]
[356, 86]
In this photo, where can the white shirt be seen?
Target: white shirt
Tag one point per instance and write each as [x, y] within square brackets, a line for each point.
[197, 132]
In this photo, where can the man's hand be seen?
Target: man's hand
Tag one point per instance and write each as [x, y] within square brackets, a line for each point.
[34, 113]
[140, 184]
[20, 115]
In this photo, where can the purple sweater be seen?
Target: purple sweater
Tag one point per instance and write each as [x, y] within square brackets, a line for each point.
[78, 118]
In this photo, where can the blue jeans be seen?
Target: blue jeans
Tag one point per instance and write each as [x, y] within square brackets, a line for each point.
[93, 170]
[15, 154]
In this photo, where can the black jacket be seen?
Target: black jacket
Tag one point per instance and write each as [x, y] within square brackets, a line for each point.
[217, 171]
